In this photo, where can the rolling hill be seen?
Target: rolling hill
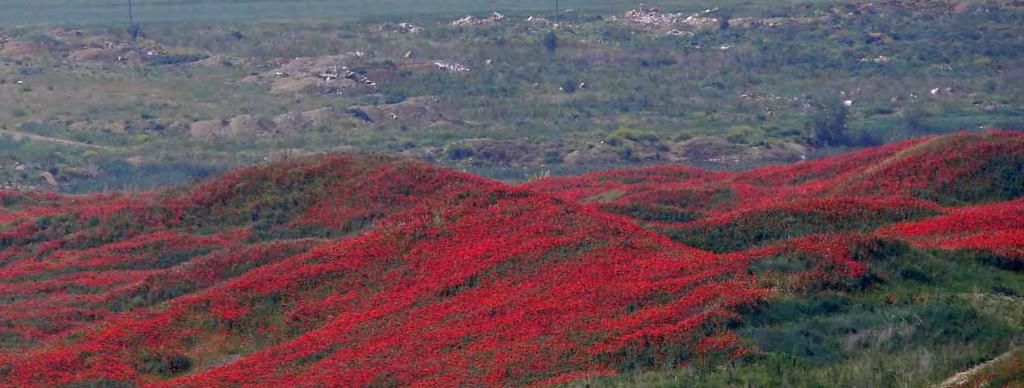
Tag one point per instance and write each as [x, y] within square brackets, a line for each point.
[356, 270]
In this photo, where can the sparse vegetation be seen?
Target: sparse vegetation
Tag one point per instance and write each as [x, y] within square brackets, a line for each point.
[783, 82]
[897, 261]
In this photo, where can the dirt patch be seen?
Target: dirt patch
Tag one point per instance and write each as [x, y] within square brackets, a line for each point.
[249, 125]
[716, 151]
[593, 154]
[506, 152]
[21, 47]
[775, 153]
[967, 378]
[207, 128]
[215, 61]
[416, 112]
[93, 55]
[606, 197]
[292, 122]
[66, 35]
[324, 116]
[706, 152]
[244, 125]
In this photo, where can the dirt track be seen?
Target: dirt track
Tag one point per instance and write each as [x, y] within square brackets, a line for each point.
[32, 136]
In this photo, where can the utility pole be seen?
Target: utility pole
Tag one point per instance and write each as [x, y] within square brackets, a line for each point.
[132, 28]
[556, 11]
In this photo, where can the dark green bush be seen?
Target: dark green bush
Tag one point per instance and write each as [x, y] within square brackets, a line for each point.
[655, 213]
[100, 383]
[174, 59]
[164, 366]
[459, 153]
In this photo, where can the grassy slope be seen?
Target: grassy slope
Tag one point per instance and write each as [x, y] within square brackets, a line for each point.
[922, 315]
[350, 266]
[366, 271]
[932, 315]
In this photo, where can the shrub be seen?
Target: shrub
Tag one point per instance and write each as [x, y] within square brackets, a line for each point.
[550, 42]
[174, 59]
[459, 153]
[100, 383]
[569, 86]
[655, 213]
[826, 123]
[360, 114]
[164, 366]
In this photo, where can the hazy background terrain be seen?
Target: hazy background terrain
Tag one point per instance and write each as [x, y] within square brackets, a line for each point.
[19, 12]
[211, 85]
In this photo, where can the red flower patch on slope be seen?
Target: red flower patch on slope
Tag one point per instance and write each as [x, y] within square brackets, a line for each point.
[997, 227]
[357, 270]
[474, 282]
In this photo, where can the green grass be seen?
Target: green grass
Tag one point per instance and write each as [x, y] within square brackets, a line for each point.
[930, 315]
[646, 92]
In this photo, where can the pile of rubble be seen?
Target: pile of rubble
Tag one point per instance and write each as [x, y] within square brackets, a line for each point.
[881, 59]
[154, 51]
[400, 28]
[472, 21]
[538, 20]
[451, 67]
[316, 75]
[409, 28]
[679, 24]
[653, 18]
[116, 45]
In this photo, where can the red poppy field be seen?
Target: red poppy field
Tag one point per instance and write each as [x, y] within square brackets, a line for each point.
[349, 270]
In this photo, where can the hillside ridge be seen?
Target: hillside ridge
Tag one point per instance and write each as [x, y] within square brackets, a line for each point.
[370, 270]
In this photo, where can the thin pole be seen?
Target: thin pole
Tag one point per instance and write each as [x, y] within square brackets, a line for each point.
[556, 11]
[132, 29]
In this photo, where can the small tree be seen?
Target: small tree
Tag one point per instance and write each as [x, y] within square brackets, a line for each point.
[551, 42]
[826, 123]
[569, 86]
[914, 117]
